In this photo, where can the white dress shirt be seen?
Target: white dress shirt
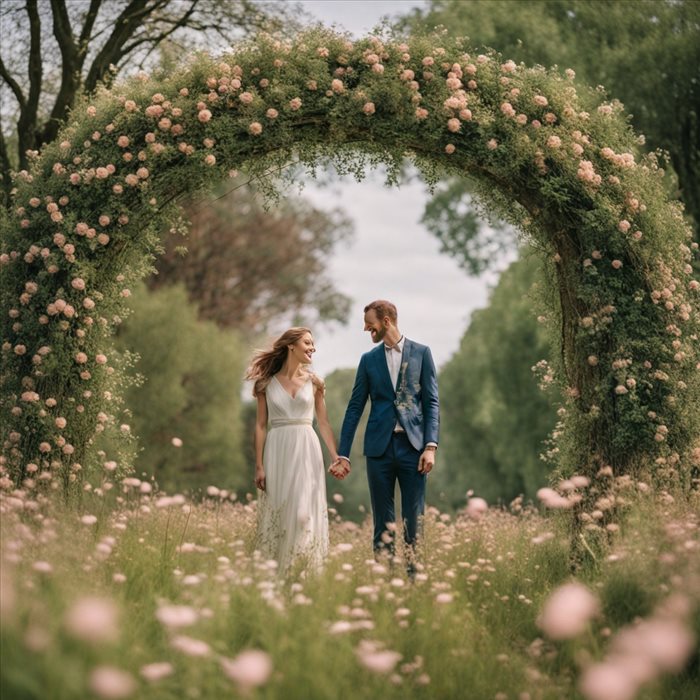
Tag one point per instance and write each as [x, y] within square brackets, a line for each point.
[393, 359]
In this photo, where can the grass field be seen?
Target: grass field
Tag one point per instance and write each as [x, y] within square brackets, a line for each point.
[145, 595]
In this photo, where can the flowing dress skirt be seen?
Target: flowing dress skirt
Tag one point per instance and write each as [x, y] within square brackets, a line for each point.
[293, 510]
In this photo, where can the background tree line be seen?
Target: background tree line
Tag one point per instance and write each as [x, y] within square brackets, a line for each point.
[248, 270]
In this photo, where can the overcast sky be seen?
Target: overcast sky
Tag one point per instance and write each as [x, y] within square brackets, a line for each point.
[392, 256]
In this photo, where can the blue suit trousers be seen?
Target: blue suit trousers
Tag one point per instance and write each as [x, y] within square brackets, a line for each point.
[399, 462]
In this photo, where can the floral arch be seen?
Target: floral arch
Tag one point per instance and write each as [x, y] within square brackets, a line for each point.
[560, 164]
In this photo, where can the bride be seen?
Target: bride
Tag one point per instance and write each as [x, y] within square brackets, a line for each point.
[289, 471]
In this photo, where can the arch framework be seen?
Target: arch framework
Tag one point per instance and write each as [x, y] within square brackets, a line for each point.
[559, 163]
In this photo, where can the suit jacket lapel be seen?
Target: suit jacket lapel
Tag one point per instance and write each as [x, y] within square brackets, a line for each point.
[382, 365]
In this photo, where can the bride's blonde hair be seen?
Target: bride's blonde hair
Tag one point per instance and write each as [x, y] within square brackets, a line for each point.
[266, 363]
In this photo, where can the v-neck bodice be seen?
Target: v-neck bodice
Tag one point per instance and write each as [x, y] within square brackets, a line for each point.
[281, 405]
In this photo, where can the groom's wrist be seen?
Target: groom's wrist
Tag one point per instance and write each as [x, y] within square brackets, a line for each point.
[431, 446]
[345, 458]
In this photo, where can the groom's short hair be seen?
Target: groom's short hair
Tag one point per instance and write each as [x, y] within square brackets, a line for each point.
[383, 308]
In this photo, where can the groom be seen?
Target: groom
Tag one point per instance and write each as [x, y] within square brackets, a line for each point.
[402, 432]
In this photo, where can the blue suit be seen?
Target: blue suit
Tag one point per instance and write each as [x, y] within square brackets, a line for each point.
[412, 404]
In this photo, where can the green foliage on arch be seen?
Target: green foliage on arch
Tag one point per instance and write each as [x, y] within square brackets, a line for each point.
[542, 154]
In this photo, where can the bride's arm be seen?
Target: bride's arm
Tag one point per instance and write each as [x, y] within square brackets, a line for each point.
[324, 426]
[260, 434]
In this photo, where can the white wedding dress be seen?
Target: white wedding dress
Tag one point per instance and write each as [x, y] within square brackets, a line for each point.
[293, 510]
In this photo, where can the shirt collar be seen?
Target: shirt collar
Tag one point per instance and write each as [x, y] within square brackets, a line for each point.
[399, 344]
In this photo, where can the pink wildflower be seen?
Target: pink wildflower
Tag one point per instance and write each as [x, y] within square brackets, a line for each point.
[567, 612]
[250, 669]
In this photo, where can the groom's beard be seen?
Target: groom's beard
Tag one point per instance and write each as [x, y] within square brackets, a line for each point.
[378, 336]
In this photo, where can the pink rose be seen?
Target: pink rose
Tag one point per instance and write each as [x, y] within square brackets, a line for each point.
[368, 108]
[204, 115]
[255, 129]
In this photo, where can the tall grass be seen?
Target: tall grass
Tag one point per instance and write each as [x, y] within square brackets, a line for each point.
[467, 627]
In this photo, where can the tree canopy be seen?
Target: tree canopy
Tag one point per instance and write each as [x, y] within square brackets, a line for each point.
[247, 265]
[52, 51]
[644, 54]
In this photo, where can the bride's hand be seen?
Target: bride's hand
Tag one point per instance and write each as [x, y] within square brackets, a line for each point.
[339, 468]
[260, 478]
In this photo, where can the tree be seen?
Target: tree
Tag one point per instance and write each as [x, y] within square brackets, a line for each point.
[494, 419]
[247, 267]
[191, 392]
[454, 217]
[96, 40]
[644, 53]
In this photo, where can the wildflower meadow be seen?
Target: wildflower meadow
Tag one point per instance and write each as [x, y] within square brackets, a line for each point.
[138, 594]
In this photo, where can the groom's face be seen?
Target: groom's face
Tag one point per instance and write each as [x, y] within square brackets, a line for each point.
[374, 325]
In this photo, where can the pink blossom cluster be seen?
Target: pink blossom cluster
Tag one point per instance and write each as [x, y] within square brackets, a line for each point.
[568, 611]
[586, 172]
[639, 653]
[622, 160]
[571, 495]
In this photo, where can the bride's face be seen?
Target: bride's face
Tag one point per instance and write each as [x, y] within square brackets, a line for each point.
[303, 349]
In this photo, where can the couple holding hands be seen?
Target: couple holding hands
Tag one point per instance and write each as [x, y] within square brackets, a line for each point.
[399, 378]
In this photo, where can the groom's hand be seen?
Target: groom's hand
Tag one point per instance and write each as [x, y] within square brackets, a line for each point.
[340, 468]
[427, 460]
